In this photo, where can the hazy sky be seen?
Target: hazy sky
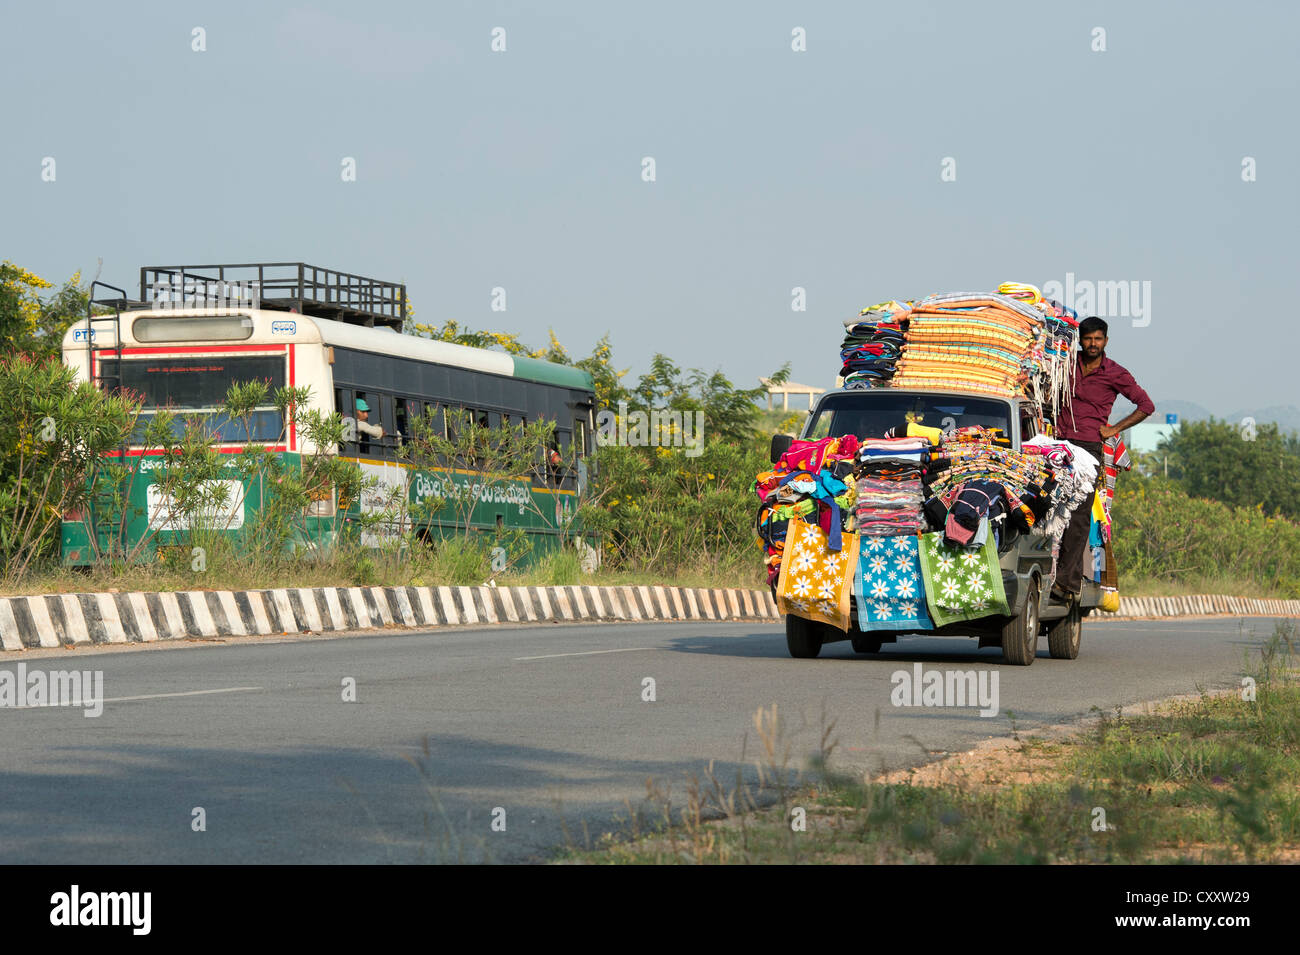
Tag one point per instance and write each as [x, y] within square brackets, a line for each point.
[774, 168]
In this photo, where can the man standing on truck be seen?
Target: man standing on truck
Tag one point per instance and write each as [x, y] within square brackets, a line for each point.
[1084, 421]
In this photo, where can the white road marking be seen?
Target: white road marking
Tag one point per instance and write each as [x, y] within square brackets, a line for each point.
[586, 653]
[164, 696]
[1180, 629]
[132, 699]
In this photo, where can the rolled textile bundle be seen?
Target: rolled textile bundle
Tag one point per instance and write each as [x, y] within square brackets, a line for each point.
[1019, 290]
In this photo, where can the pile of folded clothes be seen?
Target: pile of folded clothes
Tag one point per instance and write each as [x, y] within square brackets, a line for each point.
[889, 485]
[812, 483]
[1025, 481]
[1010, 343]
[873, 343]
[908, 528]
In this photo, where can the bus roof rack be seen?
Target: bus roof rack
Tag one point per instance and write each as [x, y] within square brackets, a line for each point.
[283, 286]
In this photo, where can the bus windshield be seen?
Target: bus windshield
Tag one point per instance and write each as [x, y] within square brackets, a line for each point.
[196, 386]
[871, 412]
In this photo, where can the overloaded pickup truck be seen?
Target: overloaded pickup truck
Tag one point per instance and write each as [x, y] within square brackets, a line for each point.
[1025, 559]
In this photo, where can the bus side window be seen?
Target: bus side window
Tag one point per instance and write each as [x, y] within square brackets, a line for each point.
[564, 439]
[365, 439]
[431, 428]
[344, 405]
[382, 417]
[433, 419]
[401, 422]
[453, 422]
[580, 434]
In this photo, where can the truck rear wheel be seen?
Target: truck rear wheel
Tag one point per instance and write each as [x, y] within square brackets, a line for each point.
[1020, 633]
[1063, 635]
[803, 637]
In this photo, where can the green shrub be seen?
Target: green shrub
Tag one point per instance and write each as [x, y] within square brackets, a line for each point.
[560, 568]
[53, 433]
[1163, 534]
[461, 560]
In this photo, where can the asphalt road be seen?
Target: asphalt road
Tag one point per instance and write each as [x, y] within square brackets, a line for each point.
[546, 723]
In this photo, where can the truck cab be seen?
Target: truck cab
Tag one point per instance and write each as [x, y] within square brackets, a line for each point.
[1025, 559]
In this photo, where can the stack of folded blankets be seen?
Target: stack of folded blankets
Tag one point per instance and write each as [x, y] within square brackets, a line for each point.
[977, 341]
[873, 343]
[1010, 343]
[889, 486]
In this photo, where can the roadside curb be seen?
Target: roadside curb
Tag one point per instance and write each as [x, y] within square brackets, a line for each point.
[1198, 605]
[55, 620]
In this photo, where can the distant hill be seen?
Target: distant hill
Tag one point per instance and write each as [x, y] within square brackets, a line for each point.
[1286, 416]
[1186, 410]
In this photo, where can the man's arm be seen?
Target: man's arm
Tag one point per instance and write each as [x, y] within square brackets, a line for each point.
[371, 429]
[1127, 386]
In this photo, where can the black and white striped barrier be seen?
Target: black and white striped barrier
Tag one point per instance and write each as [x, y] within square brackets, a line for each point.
[54, 620]
[1206, 605]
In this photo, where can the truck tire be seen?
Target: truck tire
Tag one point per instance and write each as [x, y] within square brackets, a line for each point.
[1020, 633]
[1063, 635]
[867, 642]
[803, 637]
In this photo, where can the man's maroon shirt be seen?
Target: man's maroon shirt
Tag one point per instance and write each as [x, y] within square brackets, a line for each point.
[1093, 398]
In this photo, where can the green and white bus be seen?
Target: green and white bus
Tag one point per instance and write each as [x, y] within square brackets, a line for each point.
[186, 358]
